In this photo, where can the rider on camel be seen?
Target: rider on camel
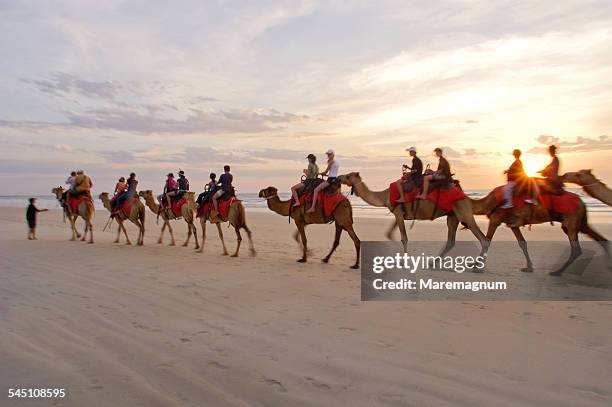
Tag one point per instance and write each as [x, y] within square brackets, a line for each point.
[82, 185]
[209, 190]
[120, 188]
[129, 191]
[332, 175]
[415, 173]
[311, 174]
[225, 183]
[551, 171]
[170, 188]
[70, 183]
[183, 183]
[443, 173]
[516, 176]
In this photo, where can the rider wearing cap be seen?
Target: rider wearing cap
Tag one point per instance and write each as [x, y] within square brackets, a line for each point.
[415, 174]
[332, 174]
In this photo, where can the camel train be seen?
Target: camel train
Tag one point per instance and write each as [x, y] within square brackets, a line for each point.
[461, 211]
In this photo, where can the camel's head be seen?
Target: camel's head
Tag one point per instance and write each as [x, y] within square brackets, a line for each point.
[103, 196]
[146, 194]
[268, 192]
[582, 177]
[58, 192]
[350, 179]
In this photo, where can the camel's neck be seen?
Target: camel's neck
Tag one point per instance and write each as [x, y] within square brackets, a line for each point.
[374, 198]
[106, 203]
[484, 206]
[281, 207]
[600, 191]
[154, 206]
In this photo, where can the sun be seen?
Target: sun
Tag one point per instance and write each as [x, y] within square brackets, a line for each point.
[533, 163]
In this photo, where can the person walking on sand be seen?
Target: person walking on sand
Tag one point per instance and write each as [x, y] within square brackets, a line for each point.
[31, 213]
[332, 176]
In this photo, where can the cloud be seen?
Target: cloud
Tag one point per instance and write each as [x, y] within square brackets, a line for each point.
[149, 121]
[581, 144]
[62, 84]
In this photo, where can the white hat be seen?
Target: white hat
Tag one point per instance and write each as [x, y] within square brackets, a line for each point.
[411, 149]
[330, 151]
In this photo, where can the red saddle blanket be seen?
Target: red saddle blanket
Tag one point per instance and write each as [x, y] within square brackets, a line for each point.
[563, 204]
[444, 198]
[176, 206]
[127, 206]
[224, 207]
[74, 201]
[329, 203]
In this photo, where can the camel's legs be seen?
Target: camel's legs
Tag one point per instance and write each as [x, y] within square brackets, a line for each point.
[523, 245]
[302, 231]
[189, 232]
[225, 252]
[572, 234]
[203, 225]
[127, 238]
[85, 230]
[356, 241]
[161, 235]
[336, 243]
[172, 241]
[195, 234]
[250, 237]
[452, 223]
[296, 236]
[391, 229]
[399, 221]
[238, 241]
[465, 215]
[118, 231]
[593, 234]
[73, 228]
[89, 225]
[140, 226]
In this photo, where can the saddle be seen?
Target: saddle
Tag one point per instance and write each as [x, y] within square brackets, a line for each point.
[310, 187]
[226, 197]
[443, 185]
[411, 183]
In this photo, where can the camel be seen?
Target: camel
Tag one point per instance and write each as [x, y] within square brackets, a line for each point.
[237, 218]
[529, 214]
[424, 210]
[136, 216]
[591, 185]
[342, 216]
[86, 211]
[187, 213]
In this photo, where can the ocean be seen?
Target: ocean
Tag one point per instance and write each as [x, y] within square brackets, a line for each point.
[596, 209]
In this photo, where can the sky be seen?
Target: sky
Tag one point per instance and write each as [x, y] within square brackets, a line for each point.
[154, 86]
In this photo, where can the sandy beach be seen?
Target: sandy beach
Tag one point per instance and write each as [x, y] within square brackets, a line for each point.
[165, 326]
